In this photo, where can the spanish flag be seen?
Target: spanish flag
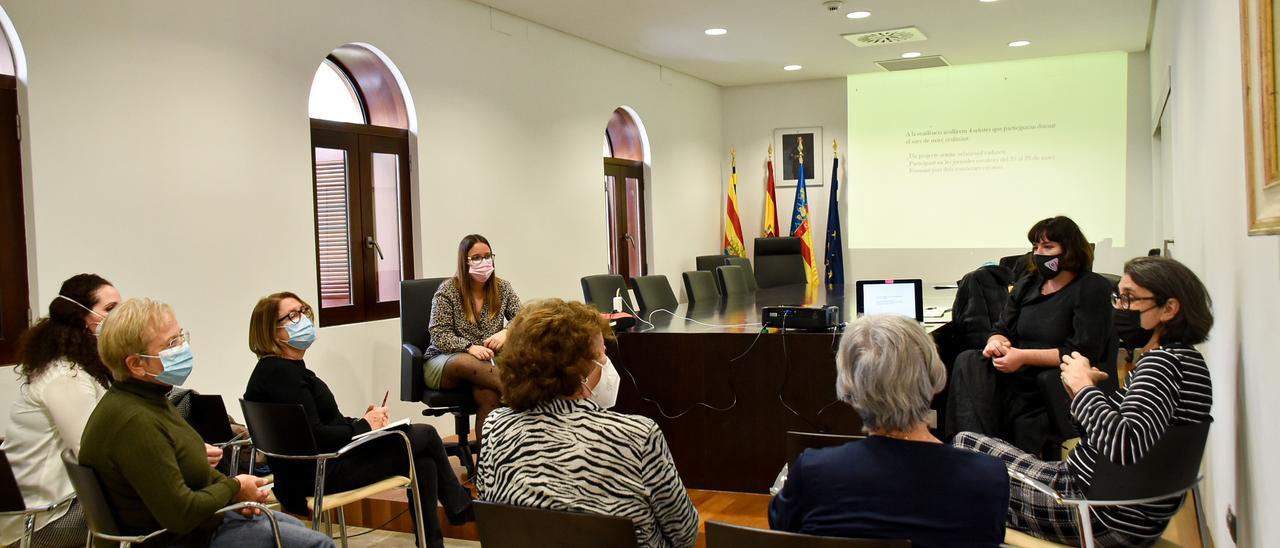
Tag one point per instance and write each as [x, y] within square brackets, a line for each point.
[732, 225]
[800, 228]
[770, 204]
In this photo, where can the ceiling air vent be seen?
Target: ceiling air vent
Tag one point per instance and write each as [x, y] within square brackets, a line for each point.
[917, 63]
[883, 37]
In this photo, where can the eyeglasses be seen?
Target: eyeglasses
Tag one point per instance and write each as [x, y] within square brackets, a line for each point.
[477, 259]
[1126, 301]
[295, 316]
[183, 337]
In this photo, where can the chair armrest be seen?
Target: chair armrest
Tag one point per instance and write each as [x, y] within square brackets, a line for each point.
[377, 435]
[275, 527]
[1038, 486]
[411, 382]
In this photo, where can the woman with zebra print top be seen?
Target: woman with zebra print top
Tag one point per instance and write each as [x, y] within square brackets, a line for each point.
[1170, 386]
[557, 446]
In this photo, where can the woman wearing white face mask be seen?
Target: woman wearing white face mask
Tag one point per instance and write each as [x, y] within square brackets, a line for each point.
[557, 446]
[62, 380]
[280, 332]
[468, 313]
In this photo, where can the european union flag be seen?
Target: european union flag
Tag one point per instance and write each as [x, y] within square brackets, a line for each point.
[835, 245]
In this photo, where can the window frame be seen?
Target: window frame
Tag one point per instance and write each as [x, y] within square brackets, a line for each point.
[15, 296]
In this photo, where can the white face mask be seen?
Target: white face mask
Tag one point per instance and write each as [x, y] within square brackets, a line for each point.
[605, 393]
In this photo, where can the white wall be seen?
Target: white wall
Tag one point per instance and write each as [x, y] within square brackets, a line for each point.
[751, 113]
[170, 153]
[1200, 43]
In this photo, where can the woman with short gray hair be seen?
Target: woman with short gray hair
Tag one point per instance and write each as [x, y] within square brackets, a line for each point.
[900, 482]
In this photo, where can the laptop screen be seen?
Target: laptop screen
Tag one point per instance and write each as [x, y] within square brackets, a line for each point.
[898, 297]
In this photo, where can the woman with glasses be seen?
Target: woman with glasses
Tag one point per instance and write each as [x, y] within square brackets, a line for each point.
[1058, 309]
[1164, 305]
[62, 379]
[280, 332]
[468, 317]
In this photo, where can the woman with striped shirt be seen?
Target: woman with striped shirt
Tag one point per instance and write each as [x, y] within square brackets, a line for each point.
[557, 446]
[1162, 302]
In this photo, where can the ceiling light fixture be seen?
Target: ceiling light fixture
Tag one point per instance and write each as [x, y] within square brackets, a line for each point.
[910, 55]
[988, 1]
[715, 32]
[1019, 43]
[792, 67]
[858, 14]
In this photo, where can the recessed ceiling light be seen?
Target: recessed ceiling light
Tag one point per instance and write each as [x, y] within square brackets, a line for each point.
[1019, 43]
[858, 14]
[911, 55]
[715, 32]
[792, 67]
[987, 1]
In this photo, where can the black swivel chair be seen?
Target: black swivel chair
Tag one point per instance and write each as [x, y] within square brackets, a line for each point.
[708, 262]
[733, 281]
[797, 442]
[13, 504]
[654, 293]
[507, 526]
[700, 286]
[415, 338]
[598, 290]
[727, 535]
[779, 262]
[745, 263]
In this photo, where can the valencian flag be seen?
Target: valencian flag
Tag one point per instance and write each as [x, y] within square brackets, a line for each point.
[800, 225]
[770, 203]
[732, 224]
[835, 252]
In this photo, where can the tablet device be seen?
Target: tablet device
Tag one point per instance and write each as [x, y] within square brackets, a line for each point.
[898, 297]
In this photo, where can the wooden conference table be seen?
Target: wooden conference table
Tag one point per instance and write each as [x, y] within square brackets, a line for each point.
[716, 355]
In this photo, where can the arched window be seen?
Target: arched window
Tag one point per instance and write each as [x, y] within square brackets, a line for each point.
[14, 296]
[625, 155]
[360, 152]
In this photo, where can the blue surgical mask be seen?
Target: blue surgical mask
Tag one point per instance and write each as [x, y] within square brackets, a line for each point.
[177, 363]
[301, 333]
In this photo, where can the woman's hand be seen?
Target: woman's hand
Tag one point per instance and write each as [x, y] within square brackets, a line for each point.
[249, 492]
[1011, 360]
[376, 417]
[997, 346]
[481, 353]
[214, 454]
[496, 341]
[1077, 374]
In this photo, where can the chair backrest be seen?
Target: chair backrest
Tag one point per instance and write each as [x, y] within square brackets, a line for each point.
[1169, 467]
[779, 262]
[10, 495]
[209, 418]
[92, 497]
[708, 262]
[279, 428]
[733, 280]
[507, 526]
[797, 442]
[599, 290]
[654, 292]
[745, 263]
[725, 535]
[700, 286]
[415, 310]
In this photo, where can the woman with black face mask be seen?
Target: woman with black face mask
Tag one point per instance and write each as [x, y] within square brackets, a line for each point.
[1163, 301]
[1059, 308]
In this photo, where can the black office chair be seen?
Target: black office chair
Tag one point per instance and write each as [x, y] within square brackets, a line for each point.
[12, 502]
[779, 262]
[599, 290]
[507, 526]
[281, 431]
[745, 263]
[727, 535]
[733, 281]
[415, 337]
[208, 417]
[700, 286]
[654, 293]
[708, 262]
[101, 518]
[1169, 469]
[797, 442]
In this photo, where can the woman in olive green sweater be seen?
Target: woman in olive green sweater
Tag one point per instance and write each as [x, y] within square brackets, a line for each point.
[151, 463]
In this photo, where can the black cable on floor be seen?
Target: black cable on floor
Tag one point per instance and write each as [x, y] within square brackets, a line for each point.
[378, 528]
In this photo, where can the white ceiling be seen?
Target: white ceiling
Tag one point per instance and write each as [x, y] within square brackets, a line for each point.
[764, 35]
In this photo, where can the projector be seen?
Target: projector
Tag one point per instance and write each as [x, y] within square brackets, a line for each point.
[809, 318]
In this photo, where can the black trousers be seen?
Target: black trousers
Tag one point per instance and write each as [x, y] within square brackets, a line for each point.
[385, 457]
[1008, 406]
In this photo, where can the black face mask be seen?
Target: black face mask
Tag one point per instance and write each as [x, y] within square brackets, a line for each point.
[1048, 265]
[1128, 325]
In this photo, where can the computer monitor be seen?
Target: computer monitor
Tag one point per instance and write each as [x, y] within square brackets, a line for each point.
[899, 297]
